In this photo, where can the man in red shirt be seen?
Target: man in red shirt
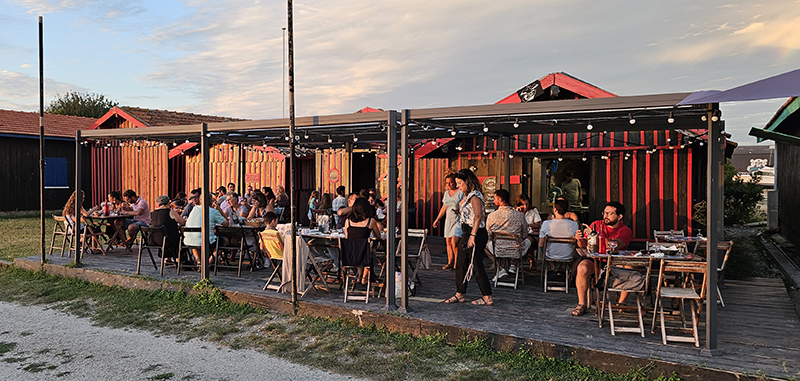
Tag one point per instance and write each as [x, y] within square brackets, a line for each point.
[610, 228]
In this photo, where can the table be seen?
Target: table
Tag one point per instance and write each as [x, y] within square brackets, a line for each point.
[113, 222]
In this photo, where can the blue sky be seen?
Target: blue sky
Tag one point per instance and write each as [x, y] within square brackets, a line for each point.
[225, 58]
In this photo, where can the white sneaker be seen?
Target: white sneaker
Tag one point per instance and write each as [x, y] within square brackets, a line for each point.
[502, 273]
[512, 269]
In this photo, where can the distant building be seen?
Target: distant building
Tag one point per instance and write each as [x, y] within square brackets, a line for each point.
[746, 158]
[19, 153]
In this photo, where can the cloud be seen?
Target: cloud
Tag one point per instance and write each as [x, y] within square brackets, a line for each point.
[20, 91]
[25, 66]
[750, 28]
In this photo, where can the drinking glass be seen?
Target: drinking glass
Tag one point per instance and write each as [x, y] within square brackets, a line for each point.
[612, 245]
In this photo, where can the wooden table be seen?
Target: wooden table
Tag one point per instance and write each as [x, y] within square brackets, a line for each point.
[111, 222]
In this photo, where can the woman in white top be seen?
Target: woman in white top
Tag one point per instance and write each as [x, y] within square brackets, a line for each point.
[452, 226]
[471, 251]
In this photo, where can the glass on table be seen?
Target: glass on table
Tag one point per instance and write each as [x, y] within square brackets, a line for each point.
[612, 245]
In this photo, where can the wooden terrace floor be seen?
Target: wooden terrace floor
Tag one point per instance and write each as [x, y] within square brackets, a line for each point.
[759, 332]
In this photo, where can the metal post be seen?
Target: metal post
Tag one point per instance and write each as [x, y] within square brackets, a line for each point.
[77, 223]
[714, 226]
[507, 173]
[391, 206]
[404, 182]
[205, 250]
[242, 169]
[292, 163]
[41, 138]
[283, 72]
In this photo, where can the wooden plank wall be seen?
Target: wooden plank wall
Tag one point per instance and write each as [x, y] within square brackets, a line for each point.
[268, 169]
[106, 172]
[429, 186]
[145, 170]
[328, 161]
[788, 178]
[659, 190]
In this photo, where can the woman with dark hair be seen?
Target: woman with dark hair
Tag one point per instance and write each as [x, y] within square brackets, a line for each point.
[471, 251]
[169, 219]
[357, 229]
[259, 206]
[452, 228]
[269, 200]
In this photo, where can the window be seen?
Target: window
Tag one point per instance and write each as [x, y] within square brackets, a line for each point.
[55, 172]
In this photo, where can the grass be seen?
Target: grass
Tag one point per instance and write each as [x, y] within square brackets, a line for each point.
[20, 234]
[337, 345]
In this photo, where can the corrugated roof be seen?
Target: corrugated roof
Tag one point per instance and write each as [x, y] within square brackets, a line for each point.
[27, 123]
[172, 118]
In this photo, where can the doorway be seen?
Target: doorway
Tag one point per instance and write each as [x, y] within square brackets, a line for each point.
[363, 171]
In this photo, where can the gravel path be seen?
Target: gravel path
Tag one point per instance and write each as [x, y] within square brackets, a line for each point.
[41, 344]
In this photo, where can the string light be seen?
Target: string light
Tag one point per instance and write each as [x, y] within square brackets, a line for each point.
[305, 135]
[589, 126]
[516, 123]
[485, 152]
[329, 139]
[485, 128]
[560, 158]
[355, 138]
[187, 141]
[715, 116]
[583, 158]
[453, 132]
[631, 120]
[511, 155]
[704, 118]
[459, 147]
[425, 126]
[671, 119]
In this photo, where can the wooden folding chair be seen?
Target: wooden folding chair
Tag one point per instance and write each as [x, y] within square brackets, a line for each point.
[663, 233]
[275, 260]
[687, 292]
[508, 246]
[232, 240]
[187, 249]
[148, 241]
[616, 268]
[60, 230]
[556, 262]
[413, 260]
[350, 271]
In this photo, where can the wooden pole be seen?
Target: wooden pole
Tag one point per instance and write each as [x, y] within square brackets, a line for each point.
[292, 159]
[41, 138]
[204, 226]
[77, 223]
[715, 224]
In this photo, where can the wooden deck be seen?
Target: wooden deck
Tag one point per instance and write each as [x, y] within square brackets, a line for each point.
[759, 332]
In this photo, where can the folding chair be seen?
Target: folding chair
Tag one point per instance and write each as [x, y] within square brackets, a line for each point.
[687, 292]
[149, 240]
[275, 261]
[556, 262]
[508, 246]
[182, 247]
[60, 228]
[662, 233]
[701, 251]
[623, 275]
[356, 253]
[423, 255]
[93, 233]
[232, 239]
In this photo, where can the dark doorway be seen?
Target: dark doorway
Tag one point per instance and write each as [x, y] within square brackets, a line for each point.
[363, 171]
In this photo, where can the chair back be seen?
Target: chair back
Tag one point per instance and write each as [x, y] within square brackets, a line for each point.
[150, 236]
[270, 236]
[60, 223]
[662, 233]
[617, 265]
[548, 240]
[701, 250]
[506, 245]
[727, 246]
[355, 251]
[683, 267]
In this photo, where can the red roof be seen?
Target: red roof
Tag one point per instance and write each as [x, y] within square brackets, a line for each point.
[143, 117]
[564, 81]
[27, 123]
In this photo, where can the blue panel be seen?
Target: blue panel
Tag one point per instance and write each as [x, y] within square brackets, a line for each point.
[55, 172]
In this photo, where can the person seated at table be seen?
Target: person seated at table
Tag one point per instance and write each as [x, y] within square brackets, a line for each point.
[344, 213]
[194, 200]
[195, 220]
[505, 219]
[235, 211]
[271, 238]
[179, 202]
[270, 199]
[221, 196]
[534, 221]
[380, 210]
[69, 212]
[281, 198]
[163, 215]
[359, 224]
[339, 202]
[113, 203]
[610, 228]
[248, 195]
[570, 215]
[558, 227]
[258, 210]
[139, 210]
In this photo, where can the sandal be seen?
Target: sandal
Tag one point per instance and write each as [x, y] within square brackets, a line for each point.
[447, 266]
[454, 299]
[579, 310]
[482, 302]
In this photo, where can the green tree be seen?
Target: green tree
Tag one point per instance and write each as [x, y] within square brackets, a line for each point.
[741, 197]
[75, 103]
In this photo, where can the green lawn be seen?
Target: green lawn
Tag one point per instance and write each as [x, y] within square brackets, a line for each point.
[19, 234]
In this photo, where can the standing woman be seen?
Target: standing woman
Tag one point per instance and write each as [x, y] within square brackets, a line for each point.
[471, 250]
[452, 228]
[313, 204]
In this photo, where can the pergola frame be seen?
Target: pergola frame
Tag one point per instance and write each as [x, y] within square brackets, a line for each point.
[499, 121]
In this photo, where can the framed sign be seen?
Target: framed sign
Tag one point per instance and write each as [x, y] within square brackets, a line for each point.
[334, 175]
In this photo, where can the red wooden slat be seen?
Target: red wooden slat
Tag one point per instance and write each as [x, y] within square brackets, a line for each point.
[661, 189]
[634, 165]
[675, 188]
[689, 186]
[647, 192]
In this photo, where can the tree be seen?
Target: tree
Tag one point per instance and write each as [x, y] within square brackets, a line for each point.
[741, 197]
[75, 103]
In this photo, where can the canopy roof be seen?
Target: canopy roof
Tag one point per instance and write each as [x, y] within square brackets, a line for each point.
[650, 112]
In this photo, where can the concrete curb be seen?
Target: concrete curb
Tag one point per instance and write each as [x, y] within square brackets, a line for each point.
[785, 265]
[604, 361]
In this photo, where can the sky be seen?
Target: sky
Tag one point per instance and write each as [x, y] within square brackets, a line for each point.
[226, 58]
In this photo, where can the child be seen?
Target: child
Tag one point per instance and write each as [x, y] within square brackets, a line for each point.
[271, 239]
[313, 204]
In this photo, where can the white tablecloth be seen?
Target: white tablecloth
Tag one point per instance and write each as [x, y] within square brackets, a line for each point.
[302, 255]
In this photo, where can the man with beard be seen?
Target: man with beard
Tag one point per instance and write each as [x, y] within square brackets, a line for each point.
[610, 228]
